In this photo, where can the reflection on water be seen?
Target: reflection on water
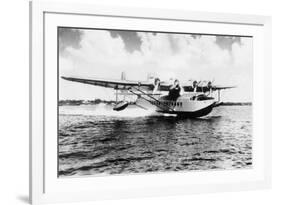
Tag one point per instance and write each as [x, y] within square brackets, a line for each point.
[96, 140]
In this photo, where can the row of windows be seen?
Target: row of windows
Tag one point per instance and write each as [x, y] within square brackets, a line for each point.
[168, 103]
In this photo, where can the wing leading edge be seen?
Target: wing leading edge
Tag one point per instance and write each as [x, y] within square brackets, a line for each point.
[127, 84]
[115, 84]
[206, 88]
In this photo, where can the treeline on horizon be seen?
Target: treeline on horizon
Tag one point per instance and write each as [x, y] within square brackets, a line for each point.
[85, 102]
[98, 101]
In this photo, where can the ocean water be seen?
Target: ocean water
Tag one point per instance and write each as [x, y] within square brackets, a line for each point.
[95, 140]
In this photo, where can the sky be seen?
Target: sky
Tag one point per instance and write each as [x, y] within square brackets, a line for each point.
[91, 53]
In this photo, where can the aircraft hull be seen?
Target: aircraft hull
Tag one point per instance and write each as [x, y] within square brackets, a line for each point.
[191, 114]
[182, 107]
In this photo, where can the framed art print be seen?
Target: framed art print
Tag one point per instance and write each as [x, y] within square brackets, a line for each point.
[129, 102]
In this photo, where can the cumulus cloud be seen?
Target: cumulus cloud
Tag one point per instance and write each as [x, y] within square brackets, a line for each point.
[103, 55]
[68, 37]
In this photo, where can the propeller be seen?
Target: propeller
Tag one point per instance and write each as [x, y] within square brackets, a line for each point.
[156, 84]
[194, 83]
[156, 81]
[210, 84]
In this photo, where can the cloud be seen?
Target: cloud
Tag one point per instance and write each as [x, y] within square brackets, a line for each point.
[103, 55]
[130, 39]
[226, 42]
[69, 38]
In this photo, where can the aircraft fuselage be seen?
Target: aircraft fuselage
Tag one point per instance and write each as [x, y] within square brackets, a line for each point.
[184, 106]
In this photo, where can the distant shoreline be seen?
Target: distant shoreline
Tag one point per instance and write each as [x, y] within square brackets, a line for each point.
[236, 104]
[109, 102]
[85, 102]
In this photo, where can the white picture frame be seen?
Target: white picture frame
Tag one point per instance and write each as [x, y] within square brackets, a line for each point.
[45, 187]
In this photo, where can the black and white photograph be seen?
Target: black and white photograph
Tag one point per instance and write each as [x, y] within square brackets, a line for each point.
[137, 102]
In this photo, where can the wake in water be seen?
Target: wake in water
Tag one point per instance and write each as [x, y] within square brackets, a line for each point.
[106, 110]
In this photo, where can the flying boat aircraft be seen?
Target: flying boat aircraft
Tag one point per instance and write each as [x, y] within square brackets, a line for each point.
[191, 100]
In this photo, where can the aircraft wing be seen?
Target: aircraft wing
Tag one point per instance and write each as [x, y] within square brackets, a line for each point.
[148, 86]
[164, 86]
[115, 84]
[189, 88]
[222, 87]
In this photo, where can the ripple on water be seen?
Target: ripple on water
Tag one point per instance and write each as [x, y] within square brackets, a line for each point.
[97, 144]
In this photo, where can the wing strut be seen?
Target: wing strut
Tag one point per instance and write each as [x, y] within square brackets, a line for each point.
[116, 95]
[160, 103]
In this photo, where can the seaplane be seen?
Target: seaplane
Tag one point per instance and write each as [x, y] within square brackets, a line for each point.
[193, 99]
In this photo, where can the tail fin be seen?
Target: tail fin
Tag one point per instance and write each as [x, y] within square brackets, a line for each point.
[123, 76]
